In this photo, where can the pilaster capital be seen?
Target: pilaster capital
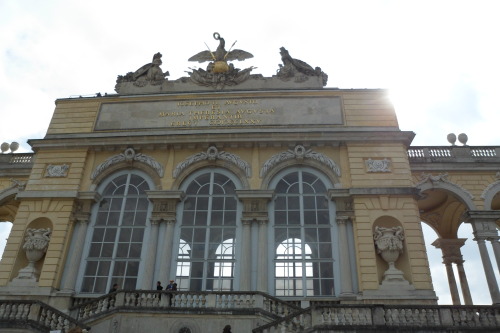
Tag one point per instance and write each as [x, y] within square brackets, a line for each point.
[164, 204]
[451, 249]
[342, 219]
[83, 205]
[255, 203]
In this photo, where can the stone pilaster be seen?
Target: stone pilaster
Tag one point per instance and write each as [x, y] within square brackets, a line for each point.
[164, 210]
[346, 289]
[81, 217]
[255, 211]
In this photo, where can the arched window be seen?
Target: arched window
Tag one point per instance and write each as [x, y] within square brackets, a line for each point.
[208, 228]
[118, 227]
[304, 232]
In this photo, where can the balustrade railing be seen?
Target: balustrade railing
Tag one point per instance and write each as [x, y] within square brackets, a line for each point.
[37, 313]
[152, 300]
[453, 154]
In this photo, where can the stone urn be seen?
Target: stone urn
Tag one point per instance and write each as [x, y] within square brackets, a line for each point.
[35, 245]
[389, 245]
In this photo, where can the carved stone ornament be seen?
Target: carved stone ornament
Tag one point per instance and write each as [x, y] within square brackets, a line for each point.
[297, 70]
[389, 244]
[300, 153]
[35, 245]
[57, 170]
[15, 187]
[149, 74]
[378, 165]
[220, 72]
[213, 154]
[441, 180]
[128, 156]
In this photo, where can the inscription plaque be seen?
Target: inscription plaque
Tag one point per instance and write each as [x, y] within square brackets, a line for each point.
[223, 112]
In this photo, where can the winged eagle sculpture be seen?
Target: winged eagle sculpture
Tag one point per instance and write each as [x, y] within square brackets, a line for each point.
[220, 72]
[220, 57]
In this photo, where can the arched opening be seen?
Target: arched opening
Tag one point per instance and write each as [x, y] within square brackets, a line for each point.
[208, 232]
[5, 228]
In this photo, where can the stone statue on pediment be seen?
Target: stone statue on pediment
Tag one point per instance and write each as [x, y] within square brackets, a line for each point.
[220, 72]
[297, 70]
[149, 74]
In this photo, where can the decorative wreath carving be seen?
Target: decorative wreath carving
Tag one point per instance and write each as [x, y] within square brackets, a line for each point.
[128, 156]
[300, 153]
[213, 154]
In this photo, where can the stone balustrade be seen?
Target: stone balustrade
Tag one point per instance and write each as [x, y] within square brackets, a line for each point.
[144, 300]
[376, 317]
[35, 314]
[453, 154]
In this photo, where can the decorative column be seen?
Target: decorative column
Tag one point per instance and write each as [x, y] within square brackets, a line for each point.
[345, 263]
[484, 228]
[254, 211]
[81, 220]
[149, 265]
[452, 254]
[262, 256]
[164, 210]
[246, 263]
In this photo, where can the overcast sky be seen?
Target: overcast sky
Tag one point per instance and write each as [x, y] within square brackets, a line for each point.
[439, 59]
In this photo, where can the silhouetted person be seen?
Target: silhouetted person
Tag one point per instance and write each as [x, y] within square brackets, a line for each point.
[227, 329]
[159, 286]
[114, 288]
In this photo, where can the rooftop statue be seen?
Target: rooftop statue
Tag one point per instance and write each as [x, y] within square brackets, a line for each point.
[150, 73]
[297, 70]
[219, 72]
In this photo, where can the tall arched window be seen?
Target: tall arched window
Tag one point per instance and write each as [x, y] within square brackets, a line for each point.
[303, 235]
[208, 228]
[118, 227]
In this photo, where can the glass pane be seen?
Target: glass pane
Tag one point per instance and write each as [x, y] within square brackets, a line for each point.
[201, 218]
[293, 202]
[218, 203]
[116, 204]
[140, 218]
[199, 235]
[107, 250]
[119, 269]
[309, 202]
[202, 203]
[325, 250]
[309, 217]
[104, 268]
[125, 235]
[110, 235]
[135, 251]
[133, 268]
[113, 218]
[293, 217]
[189, 203]
[138, 235]
[188, 218]
[130, 204]
[217, 218]
[91, 268]
[95, 250]
[230, 204]
[122, 250]
[100, 284]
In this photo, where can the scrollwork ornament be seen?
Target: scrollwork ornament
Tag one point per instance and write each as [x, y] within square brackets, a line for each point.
[128, 156]
[299, 153]
[213, 154]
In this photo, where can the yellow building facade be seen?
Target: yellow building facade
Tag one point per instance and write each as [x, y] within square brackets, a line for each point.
[246, 191]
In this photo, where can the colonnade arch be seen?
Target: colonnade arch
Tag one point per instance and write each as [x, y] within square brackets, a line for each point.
[444, 206]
